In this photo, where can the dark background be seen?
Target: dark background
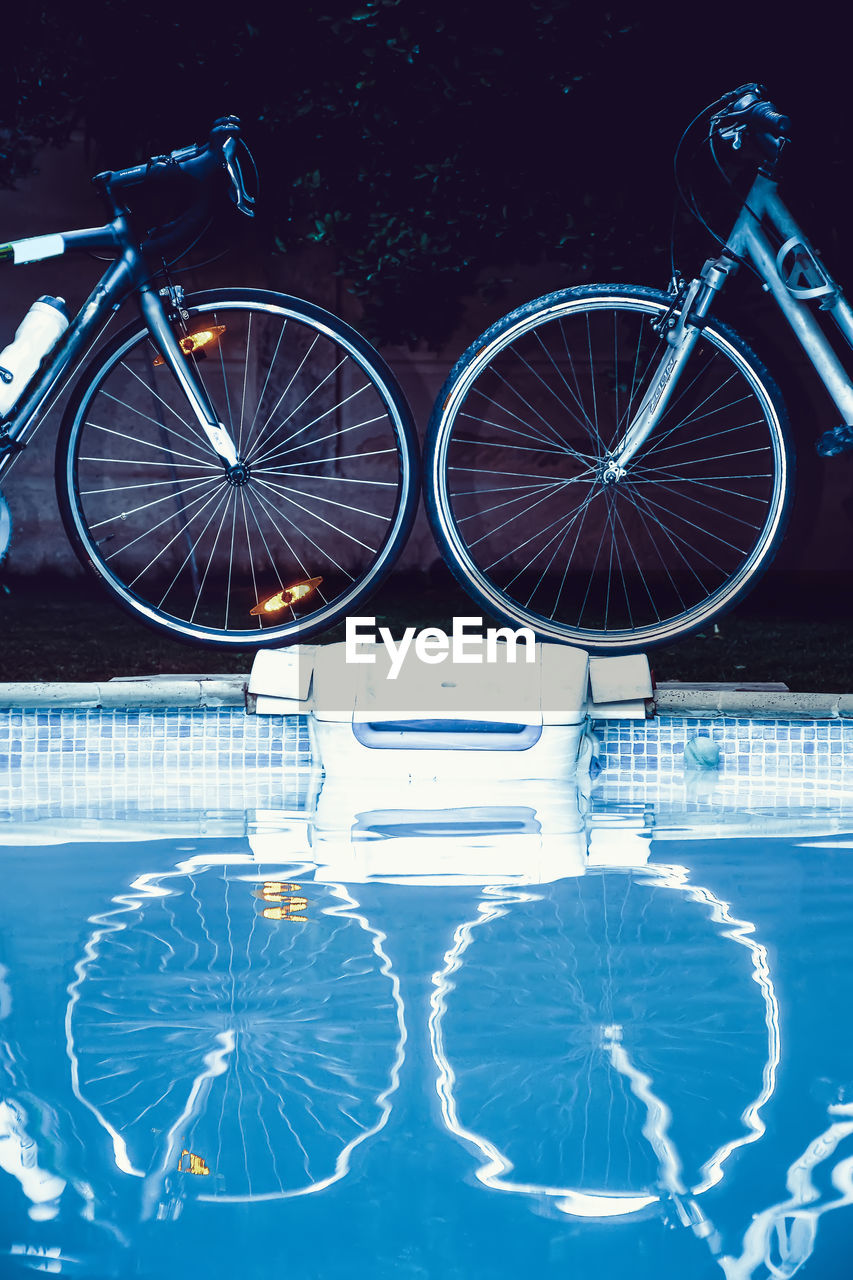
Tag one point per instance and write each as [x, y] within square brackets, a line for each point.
[434, 147]
[441, 162]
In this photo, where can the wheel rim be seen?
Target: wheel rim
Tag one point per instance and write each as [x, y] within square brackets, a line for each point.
[518, 475]
[258, 1003]
[612, 1023]
[318, 502]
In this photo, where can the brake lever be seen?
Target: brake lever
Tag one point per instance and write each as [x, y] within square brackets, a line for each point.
[733, 134]
[238, 193]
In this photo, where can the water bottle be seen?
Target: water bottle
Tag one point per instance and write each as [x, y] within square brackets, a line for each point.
[37, 334]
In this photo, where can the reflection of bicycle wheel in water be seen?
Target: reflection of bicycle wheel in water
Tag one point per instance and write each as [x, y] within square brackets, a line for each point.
[624, 1042]
[236, 1038]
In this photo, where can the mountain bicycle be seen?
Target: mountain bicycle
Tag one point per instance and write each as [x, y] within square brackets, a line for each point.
[611, 466]
[240, 467]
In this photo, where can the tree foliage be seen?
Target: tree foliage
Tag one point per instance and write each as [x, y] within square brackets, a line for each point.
[426, 142]
[431, 145]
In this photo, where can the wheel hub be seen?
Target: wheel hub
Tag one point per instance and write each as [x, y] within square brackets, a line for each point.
[238, 474]
[610, 473]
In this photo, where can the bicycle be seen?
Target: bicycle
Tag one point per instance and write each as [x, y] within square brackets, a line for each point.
[613, 468]
[240, 468]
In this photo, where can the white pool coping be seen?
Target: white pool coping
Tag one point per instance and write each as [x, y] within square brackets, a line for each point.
[231, 691]
[698, 703]
[128, 691]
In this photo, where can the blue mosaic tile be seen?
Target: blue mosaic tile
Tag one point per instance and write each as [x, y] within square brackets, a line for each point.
[757, 747]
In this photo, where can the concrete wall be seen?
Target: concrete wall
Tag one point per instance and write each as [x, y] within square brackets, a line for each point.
[60, 197]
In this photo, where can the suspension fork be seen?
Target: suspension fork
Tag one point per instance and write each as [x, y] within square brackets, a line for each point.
[681, 334]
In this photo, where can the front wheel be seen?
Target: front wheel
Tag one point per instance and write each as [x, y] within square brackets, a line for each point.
[288, 542]
[517, 452]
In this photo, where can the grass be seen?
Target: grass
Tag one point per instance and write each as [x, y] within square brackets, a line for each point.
[794, 630]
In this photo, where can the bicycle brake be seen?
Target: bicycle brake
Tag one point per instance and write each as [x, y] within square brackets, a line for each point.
[838, 440]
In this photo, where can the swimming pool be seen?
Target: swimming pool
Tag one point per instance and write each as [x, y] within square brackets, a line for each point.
[426, 1032]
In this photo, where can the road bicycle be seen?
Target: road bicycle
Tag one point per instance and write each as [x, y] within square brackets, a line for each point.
[611, 466]
[240, 466]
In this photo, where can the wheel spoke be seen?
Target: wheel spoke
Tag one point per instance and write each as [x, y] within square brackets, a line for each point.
[498, 506]
[264, 387]
[202, 498]
[583, 420]
[642, 559]
[193, 440]
[285, 493]
[255, 594]
[305, 572]
[245, 376]
[679, 491]
[202, 439]
[228, 499]
[279, 450]
[496, 444]
[149, 444]
[188, 557]
[145, 506]
[593, 434]
[526, 542]
[343, 457]
[284, 516]
[266, 458]
[123, 488]
[529, 432]
[278, 471]
[553, 433]
[577, 518]
[328, 474]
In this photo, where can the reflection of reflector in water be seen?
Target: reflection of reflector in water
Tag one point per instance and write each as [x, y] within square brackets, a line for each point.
[269, 1052]
[599, 1106]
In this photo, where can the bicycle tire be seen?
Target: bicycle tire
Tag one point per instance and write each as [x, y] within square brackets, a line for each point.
[332, 472]
[526, 417]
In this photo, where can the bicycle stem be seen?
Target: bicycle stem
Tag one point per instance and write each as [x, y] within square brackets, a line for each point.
[681, 337]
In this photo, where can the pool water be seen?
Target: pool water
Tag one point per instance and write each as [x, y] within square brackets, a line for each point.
[554, 1035]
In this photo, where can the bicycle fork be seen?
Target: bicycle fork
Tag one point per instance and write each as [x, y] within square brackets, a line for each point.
[154, 315]
[681, 334]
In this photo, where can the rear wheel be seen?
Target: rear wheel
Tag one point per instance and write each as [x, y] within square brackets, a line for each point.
[314, 516]
[516, 456]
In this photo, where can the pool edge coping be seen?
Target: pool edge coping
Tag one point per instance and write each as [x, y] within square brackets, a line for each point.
[711, 704]
[217, 691]
[189, 692]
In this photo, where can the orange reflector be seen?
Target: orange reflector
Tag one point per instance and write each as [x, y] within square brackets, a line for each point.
[275, 891]
[193, 341]
[286, 597]
[286, 912]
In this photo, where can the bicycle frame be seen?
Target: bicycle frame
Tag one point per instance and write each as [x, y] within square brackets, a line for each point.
[794, 276]
[128, 274]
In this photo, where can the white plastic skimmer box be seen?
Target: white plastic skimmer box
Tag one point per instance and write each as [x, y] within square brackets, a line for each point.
[506, 718]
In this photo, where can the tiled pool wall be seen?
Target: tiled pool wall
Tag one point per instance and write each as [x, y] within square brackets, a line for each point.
[111, 760]
[166, 759]
[789, 749]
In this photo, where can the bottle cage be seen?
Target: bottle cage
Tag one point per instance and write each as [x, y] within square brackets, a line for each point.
[804, 277]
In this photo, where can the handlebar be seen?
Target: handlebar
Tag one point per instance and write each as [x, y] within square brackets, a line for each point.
[201, 163]
[747, 114]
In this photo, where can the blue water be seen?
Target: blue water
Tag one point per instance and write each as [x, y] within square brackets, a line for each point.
[470, 1044]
